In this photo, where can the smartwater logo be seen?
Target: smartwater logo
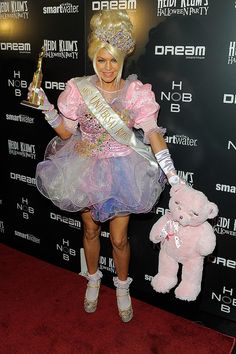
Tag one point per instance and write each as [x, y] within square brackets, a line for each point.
[64, 8]
[21, 118]
[226, 188]
[186, 51]
[14, 10]
[181, 140]
[27, 236]
[105, 234]
[182, 7]
[114, 5]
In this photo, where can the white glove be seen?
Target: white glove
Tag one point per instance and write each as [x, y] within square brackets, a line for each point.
[50, 113]
[166, 163]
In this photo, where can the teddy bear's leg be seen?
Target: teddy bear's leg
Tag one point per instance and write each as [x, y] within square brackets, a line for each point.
[190, 286]
[166, 278]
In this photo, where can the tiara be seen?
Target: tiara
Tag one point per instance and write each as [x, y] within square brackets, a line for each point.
[121, 39]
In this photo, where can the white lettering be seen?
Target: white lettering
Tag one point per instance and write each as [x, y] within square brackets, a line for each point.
[225, 188]
[229, 98]
[114, 5]
[21, 47]
[196, 51]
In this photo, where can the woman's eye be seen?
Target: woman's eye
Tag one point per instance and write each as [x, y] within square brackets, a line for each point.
[177, 203]
[114, 60]
[195, 214]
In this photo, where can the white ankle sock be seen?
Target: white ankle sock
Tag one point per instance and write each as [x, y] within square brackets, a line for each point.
[122, 293]
[93, 285]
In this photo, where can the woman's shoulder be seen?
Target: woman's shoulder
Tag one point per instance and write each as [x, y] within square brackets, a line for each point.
[136, 87]
[131, 78]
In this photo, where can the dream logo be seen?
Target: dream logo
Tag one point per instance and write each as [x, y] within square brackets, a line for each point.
[114, 5]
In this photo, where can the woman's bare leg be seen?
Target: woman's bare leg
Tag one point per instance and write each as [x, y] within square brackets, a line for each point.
[91, 241]
[120, 244]
[121, 256]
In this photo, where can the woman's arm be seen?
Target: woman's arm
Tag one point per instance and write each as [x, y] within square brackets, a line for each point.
[57, 123]
[57, 120]
[157, 142]
[163, 157]
[62, 131]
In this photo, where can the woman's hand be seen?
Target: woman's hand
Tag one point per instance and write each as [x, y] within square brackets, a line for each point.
[42, 100]
[173, 178]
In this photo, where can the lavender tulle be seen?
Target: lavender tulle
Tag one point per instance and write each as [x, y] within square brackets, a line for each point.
[107, 186]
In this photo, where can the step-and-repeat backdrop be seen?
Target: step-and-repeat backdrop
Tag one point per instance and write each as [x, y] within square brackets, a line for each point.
[187, 50]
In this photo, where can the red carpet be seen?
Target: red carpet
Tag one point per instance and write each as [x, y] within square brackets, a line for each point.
[42, 312]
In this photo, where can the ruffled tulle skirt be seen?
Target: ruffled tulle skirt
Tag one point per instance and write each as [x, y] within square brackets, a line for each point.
[107, 186]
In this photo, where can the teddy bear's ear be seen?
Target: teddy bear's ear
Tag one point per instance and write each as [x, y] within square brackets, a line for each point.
[212, 210]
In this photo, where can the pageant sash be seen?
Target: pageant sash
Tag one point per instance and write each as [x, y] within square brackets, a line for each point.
[110, 120]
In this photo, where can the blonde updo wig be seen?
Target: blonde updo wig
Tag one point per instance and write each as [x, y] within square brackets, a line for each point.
[114, 20]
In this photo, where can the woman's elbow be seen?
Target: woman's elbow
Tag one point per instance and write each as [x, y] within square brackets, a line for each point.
[62, 132]
[65, 135]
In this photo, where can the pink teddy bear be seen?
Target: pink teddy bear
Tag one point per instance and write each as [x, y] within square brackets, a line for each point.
[186, 237]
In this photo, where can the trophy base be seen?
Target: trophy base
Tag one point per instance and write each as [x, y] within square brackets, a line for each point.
[29, 104]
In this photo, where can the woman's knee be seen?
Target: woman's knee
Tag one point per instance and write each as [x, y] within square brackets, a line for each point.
[91, 232]
[91, 228]
[119, 242]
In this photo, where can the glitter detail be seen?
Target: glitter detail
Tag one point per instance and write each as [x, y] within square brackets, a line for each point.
[88, 148]
[121, 39]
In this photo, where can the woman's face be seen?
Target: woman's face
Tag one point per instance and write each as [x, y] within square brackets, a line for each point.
[107, 66]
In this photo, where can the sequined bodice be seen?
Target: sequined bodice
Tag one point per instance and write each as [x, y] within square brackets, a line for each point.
[96, 141]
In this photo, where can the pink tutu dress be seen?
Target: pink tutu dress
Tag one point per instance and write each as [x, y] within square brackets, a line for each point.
[91, 170]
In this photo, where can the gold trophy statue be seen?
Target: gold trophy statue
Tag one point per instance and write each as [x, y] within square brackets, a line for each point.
[35, 100]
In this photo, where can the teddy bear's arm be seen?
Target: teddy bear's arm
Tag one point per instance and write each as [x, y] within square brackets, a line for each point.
[207, 239]
[157, 234]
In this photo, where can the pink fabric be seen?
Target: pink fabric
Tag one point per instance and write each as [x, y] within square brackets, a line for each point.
[68, 103]
[70, 100]
[137, 98]
[89, 169]
[140, 99]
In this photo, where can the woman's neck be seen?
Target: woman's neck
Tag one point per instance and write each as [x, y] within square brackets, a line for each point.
[110, 86]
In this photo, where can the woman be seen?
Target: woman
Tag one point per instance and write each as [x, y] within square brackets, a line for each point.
[101, 169]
